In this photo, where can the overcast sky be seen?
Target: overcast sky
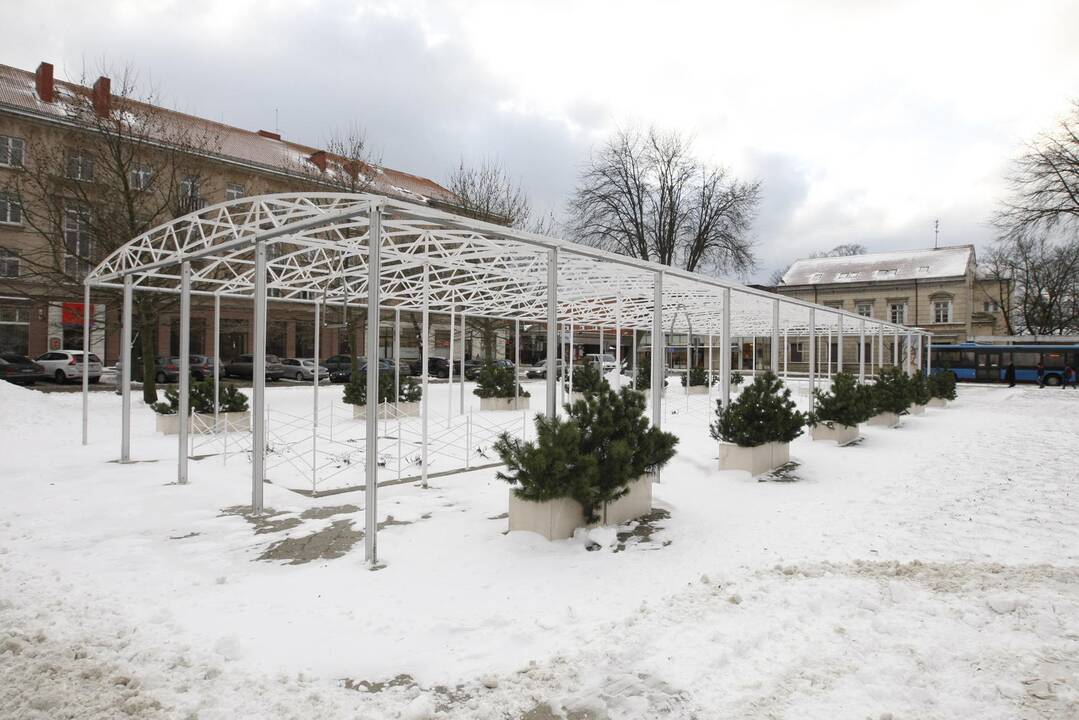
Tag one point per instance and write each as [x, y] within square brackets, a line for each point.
[864, 120]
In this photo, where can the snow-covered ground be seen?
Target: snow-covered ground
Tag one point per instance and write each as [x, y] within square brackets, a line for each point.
[927, 572]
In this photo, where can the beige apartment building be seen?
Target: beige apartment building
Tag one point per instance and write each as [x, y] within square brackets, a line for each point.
[40, 117]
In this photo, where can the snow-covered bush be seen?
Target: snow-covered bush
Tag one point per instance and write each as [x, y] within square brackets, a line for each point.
[697, 376]
[171, 404]
[737, 378]
[891, 393]
[919, 388]
[496, 381]
[200, 399]
[942, 384]
[763, 413]
[848, 403]
[606, 443]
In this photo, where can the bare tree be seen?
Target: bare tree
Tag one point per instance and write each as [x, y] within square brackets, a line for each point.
[1045, 183]
[122, 167]
[646, 195]
[844, 250]
[1043, 278]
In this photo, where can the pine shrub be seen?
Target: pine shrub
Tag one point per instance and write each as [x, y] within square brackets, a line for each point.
[644, 377]
[697, 376]
[763, 413]
[848, 402]
[552, 467]
[737, 378]
[356, 389]
[891, 393]
[496, 381]
[942, 384]
[919, 388]
[587, 379]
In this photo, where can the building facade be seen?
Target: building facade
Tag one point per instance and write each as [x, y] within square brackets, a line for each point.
[936, 290]
[42, 119]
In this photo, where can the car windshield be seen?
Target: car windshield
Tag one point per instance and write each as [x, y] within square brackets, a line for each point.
[15, 359]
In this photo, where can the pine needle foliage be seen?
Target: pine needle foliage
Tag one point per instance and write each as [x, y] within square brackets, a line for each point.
[942, 385]
[496, 381]
[848, 403]
[891, 393]
[919, 388]
[763, 413]
[588, 380]
[697, 376]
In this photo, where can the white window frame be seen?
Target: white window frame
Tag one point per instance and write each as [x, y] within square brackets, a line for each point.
[81, 163]
[946, 305]
[10, 209]
[12, 151]
[235, 191]
[142, 176]
[991, 306]
[900, 317]
[9, 263]
[859, 305]
[797, 347]
[77, 221]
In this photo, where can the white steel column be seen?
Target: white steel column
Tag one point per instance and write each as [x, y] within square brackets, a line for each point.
[657, 349]
[258, 383]
[828, 354]
[217, 357]
[725, 350]
[569, 363]
[928, 354]
[633, 370]
[552, 330]
[773, 361]
[861, 351]
[449, 358]
[425, 359]
[895, 347]
[711, 370]
[85, 363]
[618, 344]
[812, 355]
[880, 347]
[396, 356]
[839, 343]
[461, 379]
[125, 372]
[185, 369]
[516, 361]
[374, 266]
[314, 402]
[786, 351]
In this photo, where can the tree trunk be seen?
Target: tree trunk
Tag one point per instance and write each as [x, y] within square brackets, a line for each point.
[147, 337]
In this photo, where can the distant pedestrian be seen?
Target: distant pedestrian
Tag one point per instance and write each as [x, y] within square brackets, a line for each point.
[1009, 374]
[1069, 377]
[1041, 375]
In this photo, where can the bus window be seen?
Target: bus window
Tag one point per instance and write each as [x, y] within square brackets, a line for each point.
[968, 359]
[946, 357]
[1053, 359]
[1025, 359]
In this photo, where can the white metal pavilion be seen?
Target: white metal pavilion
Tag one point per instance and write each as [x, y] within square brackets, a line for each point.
[316, 248]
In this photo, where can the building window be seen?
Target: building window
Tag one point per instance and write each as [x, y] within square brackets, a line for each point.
[76, 241]
[14, 329]
[190, 200]
[942, 311]
[10, 210]
[847, 276]
[12, 150]
[897, 313]
[798, 352]
[141, 177]
[80, 166]
[923, 270]
[9, 263]
[864, 308]
[885, 274]
[991, 306]
[234, 191]
[815, 277]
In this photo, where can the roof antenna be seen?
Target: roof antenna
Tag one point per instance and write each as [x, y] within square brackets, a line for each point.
[936, 234]
[276, 127]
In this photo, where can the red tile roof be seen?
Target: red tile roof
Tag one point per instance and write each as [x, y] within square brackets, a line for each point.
[17, 91]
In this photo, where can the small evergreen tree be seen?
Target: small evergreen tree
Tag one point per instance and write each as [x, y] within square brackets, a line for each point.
[736, 378]
[763, 413]
[551, 467]
[587, 380]
[891, 393]
[848, 403]
[356, 389]
[696, 376]
[171, 404]
[409, 390]
[201, 399]
[942, 384]
[919, 388]
[496, 381]
[644, 377]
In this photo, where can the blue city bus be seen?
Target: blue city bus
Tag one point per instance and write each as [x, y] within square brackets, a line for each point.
[976, 362]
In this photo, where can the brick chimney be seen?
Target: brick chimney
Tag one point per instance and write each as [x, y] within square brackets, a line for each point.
[43, 81]
[319, 159]
[271, 135]
[101, 96]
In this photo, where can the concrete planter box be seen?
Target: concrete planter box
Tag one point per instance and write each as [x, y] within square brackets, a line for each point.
[938, 403]
[842, 434]
[754, 460]
[235, 421]
[557, 519]
[697, 390]
[170, 424]
[885, 419]
[495, 403]
[917, 409]
[386, 412]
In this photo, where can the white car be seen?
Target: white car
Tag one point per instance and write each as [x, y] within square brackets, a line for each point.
[304, 369]
[605, 362]
[64, 365]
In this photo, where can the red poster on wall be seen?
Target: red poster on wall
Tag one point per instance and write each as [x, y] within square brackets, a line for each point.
[71, 314]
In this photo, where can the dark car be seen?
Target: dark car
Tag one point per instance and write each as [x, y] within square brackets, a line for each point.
[335, 363]
[20, 369]
[472, 368]
[244, 367]
[167, 369]
[344, 374]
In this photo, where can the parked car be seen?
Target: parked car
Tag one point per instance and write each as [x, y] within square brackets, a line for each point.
[20, 369]
[334, 363]
[244, 367]
[64, 365]
[344, 375]
[539, 370]
[304, 369]
[202, 366]
[167, 369]
[604, 362]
